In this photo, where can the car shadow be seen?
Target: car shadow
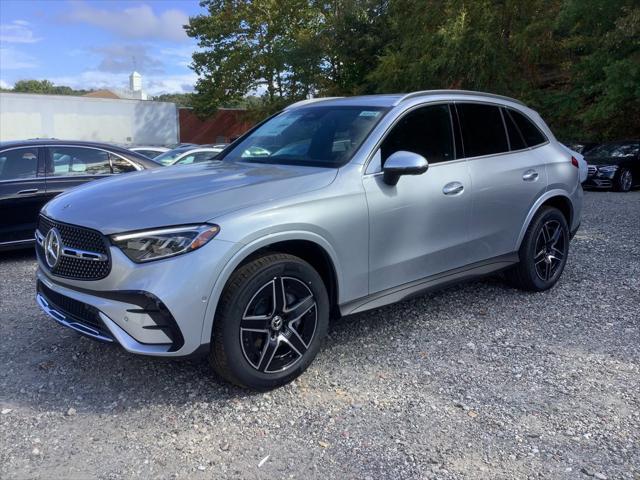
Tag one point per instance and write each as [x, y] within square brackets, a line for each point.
[55, 368]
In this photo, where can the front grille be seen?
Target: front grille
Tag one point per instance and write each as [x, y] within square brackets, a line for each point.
[591, 170]
[78, 238]
[73, 309]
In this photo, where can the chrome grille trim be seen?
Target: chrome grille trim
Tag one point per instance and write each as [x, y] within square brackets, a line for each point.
[84, 254]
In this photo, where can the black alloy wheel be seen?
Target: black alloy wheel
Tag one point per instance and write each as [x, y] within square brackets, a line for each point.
[278, 324]
[550, 250]
[543, 252]
[270, 322]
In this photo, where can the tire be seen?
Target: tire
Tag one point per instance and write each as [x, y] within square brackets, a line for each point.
[624, 181]
[542, 261]
[257, 343]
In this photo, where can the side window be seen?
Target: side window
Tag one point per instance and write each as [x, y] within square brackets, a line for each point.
[532, 135]
[18, 164]
[204, 156]
[515, 137]
[120, 165]
[68, 161]
[426, 131]
[482, 129]
[186, 160]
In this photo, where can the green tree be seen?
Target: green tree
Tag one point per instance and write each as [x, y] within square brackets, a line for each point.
[44, 87]
[575, 61]
[254, 46]
[180, 99]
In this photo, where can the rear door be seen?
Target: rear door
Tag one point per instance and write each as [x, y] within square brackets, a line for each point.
[70, 166]
[507, 175]
[22, 193]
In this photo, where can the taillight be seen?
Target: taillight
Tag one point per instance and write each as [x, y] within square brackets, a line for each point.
[574, 162]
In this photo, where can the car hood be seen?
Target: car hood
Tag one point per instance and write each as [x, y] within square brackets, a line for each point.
[181, 195]
[607, 160]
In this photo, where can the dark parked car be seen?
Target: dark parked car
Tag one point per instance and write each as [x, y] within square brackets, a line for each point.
[32, 172]
[582, 147]
[614, 165]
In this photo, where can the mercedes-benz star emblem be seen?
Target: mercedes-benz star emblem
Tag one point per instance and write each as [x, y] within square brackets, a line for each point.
[52, 247]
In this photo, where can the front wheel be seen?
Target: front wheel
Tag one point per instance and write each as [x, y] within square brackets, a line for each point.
[624, 182]
[270, 322]
[543, 253]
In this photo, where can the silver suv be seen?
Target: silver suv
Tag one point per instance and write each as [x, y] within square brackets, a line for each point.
[333, 206]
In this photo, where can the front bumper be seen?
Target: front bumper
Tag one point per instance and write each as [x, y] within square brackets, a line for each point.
[156, 308]
[593, 182]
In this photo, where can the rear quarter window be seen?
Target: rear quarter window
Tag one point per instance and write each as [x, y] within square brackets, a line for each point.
[531, 134]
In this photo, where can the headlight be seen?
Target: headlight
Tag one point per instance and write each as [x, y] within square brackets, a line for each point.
[608, 168]
[163, 242]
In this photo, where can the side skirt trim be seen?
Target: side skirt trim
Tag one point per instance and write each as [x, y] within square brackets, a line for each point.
[434, 282]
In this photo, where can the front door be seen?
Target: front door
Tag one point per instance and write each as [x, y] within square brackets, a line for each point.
[418, 227]
[22, 194]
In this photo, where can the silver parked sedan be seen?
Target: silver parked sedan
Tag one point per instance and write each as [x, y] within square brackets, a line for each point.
[331, 207]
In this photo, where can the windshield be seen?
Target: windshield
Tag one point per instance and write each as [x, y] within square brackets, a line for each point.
[167, 158]
[314, 136]
[620, 150]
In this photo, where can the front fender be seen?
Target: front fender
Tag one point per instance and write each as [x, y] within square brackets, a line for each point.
[247, 249]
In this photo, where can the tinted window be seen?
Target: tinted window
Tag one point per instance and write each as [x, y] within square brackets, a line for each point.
[167, 158]
[482, 129]
[149, 153]
[426, 131]
[316, 136]
[18, 163]
[532, 136]
[618, 150]
[78, 161]
[120, 165]
[515, 137]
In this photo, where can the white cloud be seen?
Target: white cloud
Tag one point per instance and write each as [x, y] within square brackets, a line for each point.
[12, 59]
[18, 31]
[181, 56]
[152, 84]
[133, 22]
[5, 85]
[126, 58]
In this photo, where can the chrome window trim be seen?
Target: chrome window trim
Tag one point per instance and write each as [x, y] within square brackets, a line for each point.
[22, 179]
[401, 115]
[110, 152]
[8, 149]
[453, 102]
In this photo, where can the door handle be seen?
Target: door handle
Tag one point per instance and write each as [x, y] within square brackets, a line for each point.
[28, 191]
[453, 188]
[530, 176]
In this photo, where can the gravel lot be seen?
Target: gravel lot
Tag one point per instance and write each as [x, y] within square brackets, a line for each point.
[478, 381]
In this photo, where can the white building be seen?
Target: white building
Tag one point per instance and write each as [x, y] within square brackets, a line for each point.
[134, 92]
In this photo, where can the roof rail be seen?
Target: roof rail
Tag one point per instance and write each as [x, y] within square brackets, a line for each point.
[457, 92]
[309, 101]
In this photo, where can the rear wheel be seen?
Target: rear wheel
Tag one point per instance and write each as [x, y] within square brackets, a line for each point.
[624, 182]
[543, 253]
[272, 317]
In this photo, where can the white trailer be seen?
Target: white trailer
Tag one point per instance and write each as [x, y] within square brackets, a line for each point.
[128, 122]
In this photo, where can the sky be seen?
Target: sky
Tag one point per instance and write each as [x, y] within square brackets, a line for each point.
[98, 43]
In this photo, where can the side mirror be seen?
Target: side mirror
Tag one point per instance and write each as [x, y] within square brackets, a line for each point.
[403, 163]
